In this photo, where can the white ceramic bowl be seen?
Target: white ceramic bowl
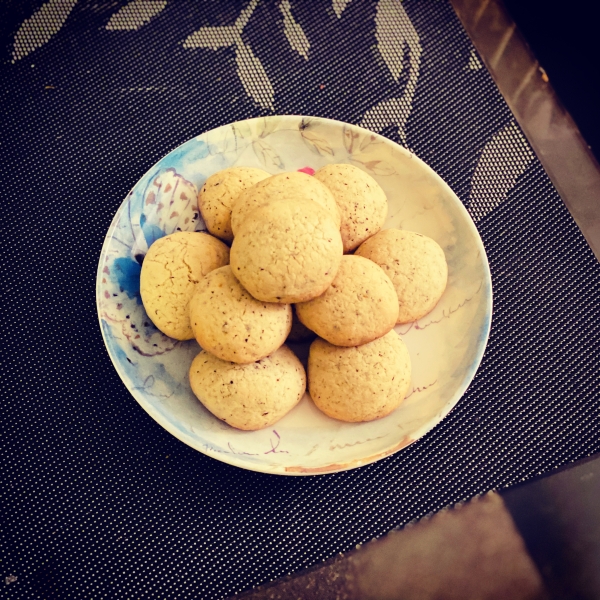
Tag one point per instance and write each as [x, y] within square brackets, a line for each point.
[446, 346]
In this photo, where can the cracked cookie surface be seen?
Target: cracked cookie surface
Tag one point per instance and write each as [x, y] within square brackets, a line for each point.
[361, 383]
[231, 324]
[287, 251]
[362, 203]
[250, 396]
[417, 266]
[358, 307]
[283, 186]
[218, 194]
[171, 269]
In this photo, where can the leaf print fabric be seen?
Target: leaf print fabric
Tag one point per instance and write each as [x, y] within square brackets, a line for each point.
[91, 101]
[38, 29]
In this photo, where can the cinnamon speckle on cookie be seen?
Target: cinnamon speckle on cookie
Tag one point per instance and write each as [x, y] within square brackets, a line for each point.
[287, 251]
[249, 396]
[171, 269]
[228, 322]
[361, 383]
[219, 193]
[362, 203]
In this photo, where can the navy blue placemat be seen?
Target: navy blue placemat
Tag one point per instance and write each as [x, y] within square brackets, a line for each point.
[97, 500]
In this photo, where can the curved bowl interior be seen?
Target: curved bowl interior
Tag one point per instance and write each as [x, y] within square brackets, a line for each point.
[446, 346]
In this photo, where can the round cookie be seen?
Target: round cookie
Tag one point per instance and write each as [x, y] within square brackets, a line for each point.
[250, 396]
[417, 266]
[358, 307]
[228, 322]
[362, 203]
[218, 194]
[284, 186]
[361, 383]
[287, 251]
[171, 269]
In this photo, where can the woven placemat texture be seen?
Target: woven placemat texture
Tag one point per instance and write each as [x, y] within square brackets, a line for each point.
[97, 500]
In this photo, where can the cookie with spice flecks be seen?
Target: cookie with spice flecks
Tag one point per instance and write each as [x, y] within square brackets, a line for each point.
[287, 251]
[233, 325]
[249, 396]
[295, 185]
[417, 266]
[219, 193]
[358, 307]
[171, 269]
[361, 383]
[362, 203]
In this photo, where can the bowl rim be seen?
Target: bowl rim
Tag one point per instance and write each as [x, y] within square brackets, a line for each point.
[332, 467]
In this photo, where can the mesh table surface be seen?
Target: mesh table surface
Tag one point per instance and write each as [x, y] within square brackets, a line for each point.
[97, 500]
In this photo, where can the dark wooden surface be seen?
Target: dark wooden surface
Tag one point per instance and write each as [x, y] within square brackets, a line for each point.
[539, 111]
[567, 46]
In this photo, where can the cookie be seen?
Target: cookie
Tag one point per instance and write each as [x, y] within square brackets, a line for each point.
[171, 269]
[284, 186]
[287, 251]
[416, 265]
[250, 396]
[362, 203]
[228, 322]
[361, 383]
[358, 307]
[218, 194]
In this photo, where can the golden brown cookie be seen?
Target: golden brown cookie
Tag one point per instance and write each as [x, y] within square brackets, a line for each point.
[228, 322]
[284, 186]
[218, 194]
[250, 396]
[287, 251]
[362, 203]
[361, 383]
[359, 306]
[416, 265]
[171, 269]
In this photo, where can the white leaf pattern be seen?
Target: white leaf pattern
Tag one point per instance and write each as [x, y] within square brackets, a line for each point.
[254, 78]
[37, 30]
[266, 126]
[503, 160]
[245, 15]
[213, 37]
[267, 155]
[377, 167]
[395, 31]
[474, 63]
[135, 14]
[384, 113]
[252, 74]
[339, 6]
[293, 31]
[316, 143]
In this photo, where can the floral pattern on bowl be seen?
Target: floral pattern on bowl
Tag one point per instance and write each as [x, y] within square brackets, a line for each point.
[446, 346]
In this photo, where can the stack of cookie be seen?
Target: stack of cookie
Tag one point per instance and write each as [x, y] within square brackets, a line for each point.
[291, 236]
